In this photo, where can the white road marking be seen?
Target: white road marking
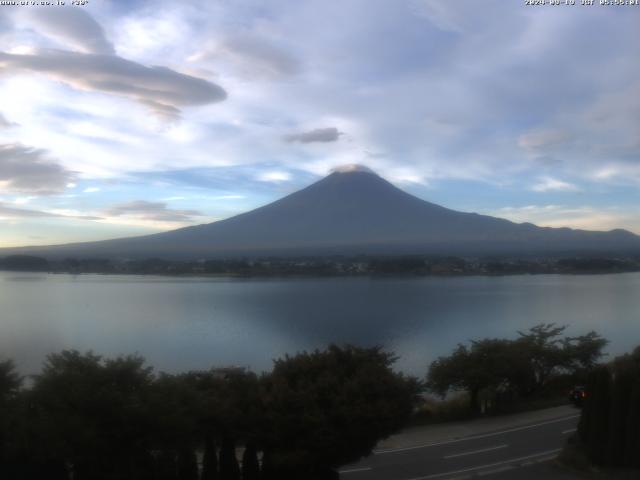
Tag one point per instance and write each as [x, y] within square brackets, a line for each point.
[473, 437]
[480, 467]
[571, 430]
[354, 470]
[488, 449]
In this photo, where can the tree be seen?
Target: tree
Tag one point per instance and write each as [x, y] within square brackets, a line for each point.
[209, 460]
[610, 422]
[167, 466]
[175, 407]
[490, 364]
[229, 469]
[632, 440]
[91, 413]
[583, 352]
[25, 263]
[329, 408]
[10, 383]
[509, 369]
[621, 390]
[550, 354]
[187, 464]
[10, 380]
[250, 465]
[455, 373]
[594, 422]
[543, 346]
[624, 443]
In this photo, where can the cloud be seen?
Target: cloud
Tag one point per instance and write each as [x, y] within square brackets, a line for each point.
[12, 212]
[583, 217]
[91, 190]
[74, 26]
[444, 16]
[25, 169]
[4, 123]
[548, 184]
[329, 134]
[153, 211]
[542, 139]
[6, 25]
[252, 56]
[229, 197]
[274, 176]
[159, 88]
[263, 55]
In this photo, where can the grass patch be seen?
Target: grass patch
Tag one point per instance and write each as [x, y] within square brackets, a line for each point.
[456, 408]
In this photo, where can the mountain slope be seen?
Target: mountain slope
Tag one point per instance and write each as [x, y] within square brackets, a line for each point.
[352, 211]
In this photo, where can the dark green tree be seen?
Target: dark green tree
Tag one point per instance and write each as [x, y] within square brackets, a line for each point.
[250, 465]
[489, 364]
[583, 352]
[329, 408]
[543, 346]
[187, 464]
[10, 383]
[167, 465]
[510, 369]
[229, 468]
[627, 395]
[91, 413]
[632, 441]
[609, 427]
[621, 390]
[594, 423]
[210, 460]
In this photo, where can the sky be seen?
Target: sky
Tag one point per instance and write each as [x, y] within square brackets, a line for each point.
[126, 118]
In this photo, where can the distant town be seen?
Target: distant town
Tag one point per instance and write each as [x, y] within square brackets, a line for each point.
[329, 266]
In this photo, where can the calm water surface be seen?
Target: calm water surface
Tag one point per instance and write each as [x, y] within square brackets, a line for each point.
[192, 323]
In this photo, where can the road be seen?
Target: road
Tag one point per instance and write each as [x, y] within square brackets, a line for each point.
[489, 453]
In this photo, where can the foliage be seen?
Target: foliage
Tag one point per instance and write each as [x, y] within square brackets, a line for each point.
[209, 460]
[610, 423]
[229, 468]
[502, 370]
[10, 381]
[92, 413]
[330, 408]
[90, 417]
[250, 464]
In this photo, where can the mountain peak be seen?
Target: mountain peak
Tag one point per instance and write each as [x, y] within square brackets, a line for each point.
[352, 167]
[351, 211]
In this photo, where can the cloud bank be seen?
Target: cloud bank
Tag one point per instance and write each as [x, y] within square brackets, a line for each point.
[4, 123]
[160, 88]
[324, 135]
[25, 169]
[73, 26]
[13, 212]
[153, 211]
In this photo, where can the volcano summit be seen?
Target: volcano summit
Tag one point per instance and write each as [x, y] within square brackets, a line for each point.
[351, 211]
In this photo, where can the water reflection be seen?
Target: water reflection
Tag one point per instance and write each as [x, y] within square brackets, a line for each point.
[182, 323]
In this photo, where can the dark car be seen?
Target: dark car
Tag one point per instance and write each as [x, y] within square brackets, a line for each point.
[577, 396]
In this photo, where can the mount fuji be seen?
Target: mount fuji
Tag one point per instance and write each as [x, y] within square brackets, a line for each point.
[351, 211]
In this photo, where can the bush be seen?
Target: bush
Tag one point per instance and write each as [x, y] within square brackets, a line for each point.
[114, 419]
[609, 425]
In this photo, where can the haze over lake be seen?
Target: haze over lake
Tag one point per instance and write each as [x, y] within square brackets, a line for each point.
[196, 323]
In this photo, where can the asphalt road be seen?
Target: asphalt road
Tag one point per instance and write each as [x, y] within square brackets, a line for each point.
[488, 454]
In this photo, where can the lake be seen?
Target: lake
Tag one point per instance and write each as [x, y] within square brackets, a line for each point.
[195, 323]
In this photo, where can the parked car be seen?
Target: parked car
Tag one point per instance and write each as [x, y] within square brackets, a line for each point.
[578, 395]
